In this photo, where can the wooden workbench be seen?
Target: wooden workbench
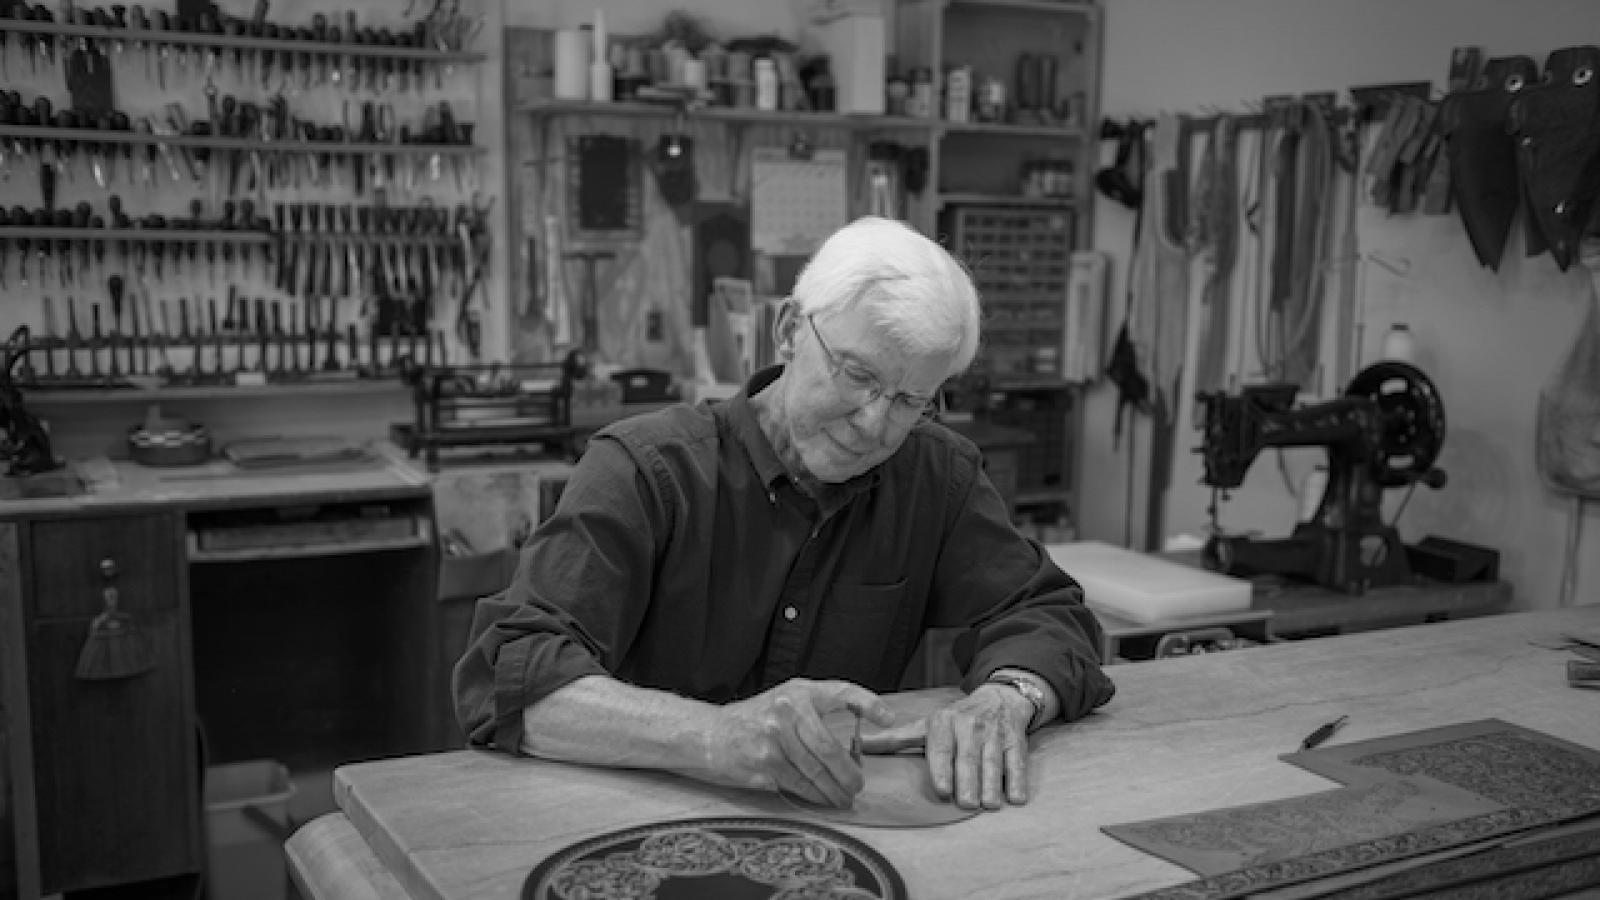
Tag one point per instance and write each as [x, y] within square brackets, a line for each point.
[1182, 735]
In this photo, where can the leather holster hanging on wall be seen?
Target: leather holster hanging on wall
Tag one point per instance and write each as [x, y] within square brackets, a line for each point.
[1556, 124]
[1483, 154]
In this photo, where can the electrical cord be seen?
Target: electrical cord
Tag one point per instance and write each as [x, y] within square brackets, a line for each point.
[1410, 489]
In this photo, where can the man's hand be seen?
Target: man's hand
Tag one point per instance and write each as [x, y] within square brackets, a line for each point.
[777, 740]
[977, 747]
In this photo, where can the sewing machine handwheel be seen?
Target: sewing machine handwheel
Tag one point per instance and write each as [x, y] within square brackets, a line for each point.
[1413, 419]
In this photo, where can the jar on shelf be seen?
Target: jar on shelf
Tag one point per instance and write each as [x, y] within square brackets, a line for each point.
[896, 94]
[820, 89]
[991, 100]
[766, 84]
[919, 102]
[958, 94]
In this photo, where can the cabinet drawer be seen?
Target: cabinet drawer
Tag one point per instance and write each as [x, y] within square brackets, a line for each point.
[67, 557]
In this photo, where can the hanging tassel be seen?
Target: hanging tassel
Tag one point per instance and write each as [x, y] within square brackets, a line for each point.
[116, 648]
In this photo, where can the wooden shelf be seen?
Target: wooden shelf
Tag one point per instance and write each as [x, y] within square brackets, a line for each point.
[1002, 383]
[242, 42]
[969, 199]
[1062, 7]
[138, 235]
[743, 115]
[727, 114]
[87, 396]
[1042, 496]
[221, 142]
[307, 551]
[1008, 129]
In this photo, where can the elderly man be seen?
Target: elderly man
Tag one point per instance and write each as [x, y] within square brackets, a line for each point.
[718, 577]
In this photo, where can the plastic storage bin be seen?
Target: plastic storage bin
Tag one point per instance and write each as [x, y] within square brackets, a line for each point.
[247, 821]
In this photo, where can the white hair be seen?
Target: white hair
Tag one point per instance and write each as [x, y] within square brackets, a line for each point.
[919, 295]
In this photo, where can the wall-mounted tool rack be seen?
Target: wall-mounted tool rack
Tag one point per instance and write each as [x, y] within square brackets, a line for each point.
[82, 136]
[223, 41]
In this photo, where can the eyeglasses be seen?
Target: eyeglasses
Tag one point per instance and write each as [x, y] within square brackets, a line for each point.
[858, 383]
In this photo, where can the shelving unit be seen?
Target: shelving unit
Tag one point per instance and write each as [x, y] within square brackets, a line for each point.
[981, 162]
[977, 175]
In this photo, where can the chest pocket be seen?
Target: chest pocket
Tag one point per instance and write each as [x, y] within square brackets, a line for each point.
[864, 635]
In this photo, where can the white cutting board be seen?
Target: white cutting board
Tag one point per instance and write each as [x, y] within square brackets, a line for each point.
[1143, 588]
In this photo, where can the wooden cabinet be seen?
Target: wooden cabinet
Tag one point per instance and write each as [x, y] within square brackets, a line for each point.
[104, 773]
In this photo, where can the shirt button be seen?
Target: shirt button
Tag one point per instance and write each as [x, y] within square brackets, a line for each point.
[789, 613]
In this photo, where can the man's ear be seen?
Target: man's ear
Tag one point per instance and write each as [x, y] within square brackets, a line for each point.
[784, 328]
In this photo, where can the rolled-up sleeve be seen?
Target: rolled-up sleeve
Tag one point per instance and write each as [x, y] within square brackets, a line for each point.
[581, 588]
[1020, 609]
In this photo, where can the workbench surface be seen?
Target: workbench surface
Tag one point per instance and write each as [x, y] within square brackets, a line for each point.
[1182, 735]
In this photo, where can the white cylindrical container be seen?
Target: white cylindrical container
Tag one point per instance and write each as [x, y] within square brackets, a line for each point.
[1399, 345]
[572, 64]
[766, 84]
[694, 73]
[600, 82]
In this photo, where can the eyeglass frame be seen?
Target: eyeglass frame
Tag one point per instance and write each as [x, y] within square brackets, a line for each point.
[927, 408]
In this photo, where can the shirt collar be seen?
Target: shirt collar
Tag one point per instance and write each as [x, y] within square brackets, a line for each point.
[743, 416]
[769, 468]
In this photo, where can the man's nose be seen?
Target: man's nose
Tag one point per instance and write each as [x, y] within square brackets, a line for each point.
[872, 418]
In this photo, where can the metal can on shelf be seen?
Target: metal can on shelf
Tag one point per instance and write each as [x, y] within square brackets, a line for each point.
[991, 105]
[958, 94]
[919, 102]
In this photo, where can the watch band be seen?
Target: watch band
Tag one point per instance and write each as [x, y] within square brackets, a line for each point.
[1026, 688]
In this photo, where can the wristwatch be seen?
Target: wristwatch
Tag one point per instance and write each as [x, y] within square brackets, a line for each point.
[1026, 688]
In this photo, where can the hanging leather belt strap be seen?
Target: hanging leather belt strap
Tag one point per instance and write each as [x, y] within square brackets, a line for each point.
[1483, 154]
[1303, 179]
[1557, 124]
[1216, 237]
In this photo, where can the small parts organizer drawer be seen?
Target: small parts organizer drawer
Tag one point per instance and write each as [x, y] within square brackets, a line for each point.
[74, 560]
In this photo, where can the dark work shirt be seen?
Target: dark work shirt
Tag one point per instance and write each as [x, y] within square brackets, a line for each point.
[683, 556]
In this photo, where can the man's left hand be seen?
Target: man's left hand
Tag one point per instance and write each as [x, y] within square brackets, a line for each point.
[977, 747]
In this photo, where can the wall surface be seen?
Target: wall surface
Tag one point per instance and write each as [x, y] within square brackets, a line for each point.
[1488, 340]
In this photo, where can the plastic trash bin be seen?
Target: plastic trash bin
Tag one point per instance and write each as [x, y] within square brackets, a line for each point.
[247, 821]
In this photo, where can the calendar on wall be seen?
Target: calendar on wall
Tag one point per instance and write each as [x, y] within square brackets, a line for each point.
[796, 201]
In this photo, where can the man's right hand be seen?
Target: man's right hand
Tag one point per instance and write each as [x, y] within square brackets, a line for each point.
[777, 740]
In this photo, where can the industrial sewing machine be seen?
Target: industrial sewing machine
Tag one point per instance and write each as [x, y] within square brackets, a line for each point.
[1385, 432]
